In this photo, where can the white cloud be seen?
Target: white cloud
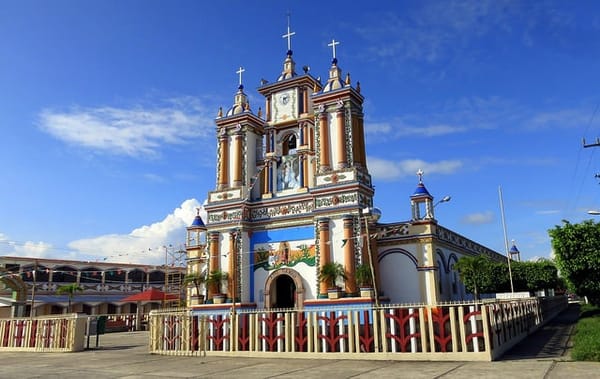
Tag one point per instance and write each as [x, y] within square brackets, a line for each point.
[548, 212]
[143, 245]
[387, 170]
[400, 129]
[136, 131]
[478, 218]
[24, 249]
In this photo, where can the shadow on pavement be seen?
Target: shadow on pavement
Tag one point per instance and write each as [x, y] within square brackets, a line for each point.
[551, 341]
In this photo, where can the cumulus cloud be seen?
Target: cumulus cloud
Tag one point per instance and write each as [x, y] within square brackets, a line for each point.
[24, 249]
[388, 170]
[143, 245]
[478, 218]
[136, 131]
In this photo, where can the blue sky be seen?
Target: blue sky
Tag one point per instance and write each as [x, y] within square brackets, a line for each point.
[107, 112]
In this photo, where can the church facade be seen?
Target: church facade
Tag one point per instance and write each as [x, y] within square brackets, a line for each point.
[294, 198]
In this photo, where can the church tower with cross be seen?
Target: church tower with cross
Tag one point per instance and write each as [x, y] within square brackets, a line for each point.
[291, 222]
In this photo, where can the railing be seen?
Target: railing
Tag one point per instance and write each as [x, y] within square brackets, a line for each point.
[468, 331]
[43, 334]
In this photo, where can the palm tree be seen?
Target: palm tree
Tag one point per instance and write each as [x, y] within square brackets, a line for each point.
[330, 272]
[70, 290]
[363, 275]
[196, 279]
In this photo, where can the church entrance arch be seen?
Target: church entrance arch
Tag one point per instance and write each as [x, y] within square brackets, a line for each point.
[284, 289]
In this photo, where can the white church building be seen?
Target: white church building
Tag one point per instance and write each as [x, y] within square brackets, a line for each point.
[293, 193]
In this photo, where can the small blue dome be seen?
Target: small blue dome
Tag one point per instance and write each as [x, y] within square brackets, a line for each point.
[513, 250]
[198, 222]
[420, 191]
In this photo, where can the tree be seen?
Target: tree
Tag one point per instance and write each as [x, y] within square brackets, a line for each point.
[70, 290]
[216, 279]
[363, 275]
[577, 255]
[330, 272]
[195, 279]
[475, 273]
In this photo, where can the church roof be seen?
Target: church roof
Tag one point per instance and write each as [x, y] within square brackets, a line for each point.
[289, 68]
[335, 81]
[420, 191]
[197, 222]
[240, 104]
[514, 250]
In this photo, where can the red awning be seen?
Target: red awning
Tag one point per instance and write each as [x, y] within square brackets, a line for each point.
[151, 294]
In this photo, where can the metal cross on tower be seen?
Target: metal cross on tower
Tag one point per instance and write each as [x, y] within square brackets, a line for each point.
[333, 44]
[239, 72]
[289, 34]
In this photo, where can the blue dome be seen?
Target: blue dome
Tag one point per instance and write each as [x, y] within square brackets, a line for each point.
[420, 191]
[514, 250]
[197, 222]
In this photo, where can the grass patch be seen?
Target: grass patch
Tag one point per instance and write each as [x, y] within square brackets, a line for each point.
[586, 342]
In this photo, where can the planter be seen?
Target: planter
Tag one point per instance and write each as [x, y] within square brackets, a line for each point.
[333, 293]
[367, 292]
[197, 299]
[218, 299]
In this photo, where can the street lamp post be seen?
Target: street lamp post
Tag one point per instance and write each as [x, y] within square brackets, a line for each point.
[445, 199]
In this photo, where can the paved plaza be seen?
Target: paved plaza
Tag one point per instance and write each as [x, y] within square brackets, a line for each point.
[125, 355]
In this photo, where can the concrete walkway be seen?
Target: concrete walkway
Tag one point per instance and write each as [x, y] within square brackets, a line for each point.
[125, 355]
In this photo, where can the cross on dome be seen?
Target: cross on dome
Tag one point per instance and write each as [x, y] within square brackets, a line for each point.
[289, 34]
[240, 71]
[332, 44]
[420, 175]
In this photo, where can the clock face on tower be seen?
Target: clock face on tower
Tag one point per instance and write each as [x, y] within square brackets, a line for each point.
[285, 105]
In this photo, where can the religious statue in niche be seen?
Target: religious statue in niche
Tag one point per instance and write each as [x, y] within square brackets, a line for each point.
[288, 173]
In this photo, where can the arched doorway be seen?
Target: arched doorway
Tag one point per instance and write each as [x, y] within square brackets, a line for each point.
[285, 292]
[284, 289]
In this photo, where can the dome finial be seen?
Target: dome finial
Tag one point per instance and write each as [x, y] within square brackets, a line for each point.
[239, 72]
[289, 35]
[420, 175]
[333, 45]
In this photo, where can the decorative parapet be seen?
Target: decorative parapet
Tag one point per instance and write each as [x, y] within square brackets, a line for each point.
[231, 194]
[262, 213]
[336, 200]
[464, 243]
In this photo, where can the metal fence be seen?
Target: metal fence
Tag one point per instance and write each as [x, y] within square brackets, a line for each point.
[466, 331]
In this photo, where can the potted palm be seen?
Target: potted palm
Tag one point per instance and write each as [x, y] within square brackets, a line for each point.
[364, 279]
[195, 279]
[330, 273]
[216, 279]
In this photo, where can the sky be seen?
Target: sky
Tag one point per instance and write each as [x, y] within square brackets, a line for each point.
[107, 112]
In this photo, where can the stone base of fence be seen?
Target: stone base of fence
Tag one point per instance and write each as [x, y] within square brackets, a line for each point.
[64, 333]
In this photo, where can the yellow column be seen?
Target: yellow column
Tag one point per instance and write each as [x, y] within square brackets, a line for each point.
[342, 160]
[232, 266]
[324, 143]
[324, 249]
[349, 259]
